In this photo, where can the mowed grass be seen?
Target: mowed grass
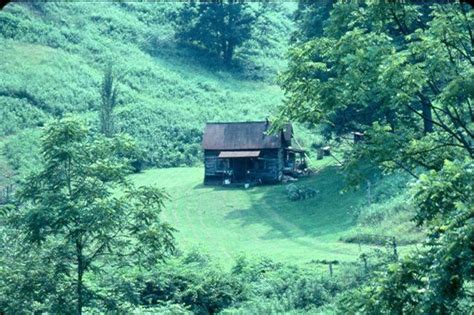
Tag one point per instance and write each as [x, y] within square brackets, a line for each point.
[260, 221]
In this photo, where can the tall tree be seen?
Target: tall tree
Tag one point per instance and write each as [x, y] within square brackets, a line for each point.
[109, 100]
[403, 75]
[218, 26]
[72, 207]
[392, 69]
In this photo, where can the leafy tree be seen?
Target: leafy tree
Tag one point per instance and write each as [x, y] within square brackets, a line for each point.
[310, 18]
[32, 279]
[72, 211]
[435, 279]
[109, 100]
[217, 26]
[402, 74]
[382, 69]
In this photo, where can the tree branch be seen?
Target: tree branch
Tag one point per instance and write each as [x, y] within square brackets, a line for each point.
[402, 27]
[445, 128]
[459, 50]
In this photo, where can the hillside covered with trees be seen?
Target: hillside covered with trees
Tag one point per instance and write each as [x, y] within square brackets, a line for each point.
[102, 202]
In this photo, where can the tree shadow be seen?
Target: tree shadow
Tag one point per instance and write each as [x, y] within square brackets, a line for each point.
[191, 56]
[233, 186]
[329, 212]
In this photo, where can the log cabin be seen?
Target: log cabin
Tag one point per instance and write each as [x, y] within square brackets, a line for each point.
[245, 152]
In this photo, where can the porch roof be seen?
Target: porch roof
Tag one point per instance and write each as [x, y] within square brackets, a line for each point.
[238, 154]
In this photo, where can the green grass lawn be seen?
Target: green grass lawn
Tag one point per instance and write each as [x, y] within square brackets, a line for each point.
[260, 221]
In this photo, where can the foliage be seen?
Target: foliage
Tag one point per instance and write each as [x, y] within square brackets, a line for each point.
[373, 77]
[81, 236]
[310, 18]
[165, 139]
[401, 75]
[219, 27]
[31, 280]
[297, 289]
[191, 280]
[22, 151]
[251, 286]
[68, 209]
[17, 114]
[297, 193]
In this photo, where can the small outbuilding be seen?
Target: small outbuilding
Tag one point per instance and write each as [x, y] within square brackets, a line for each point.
[246, 152]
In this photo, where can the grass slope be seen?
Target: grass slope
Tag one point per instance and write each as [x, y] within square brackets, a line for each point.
[260, 221]
[54, 55]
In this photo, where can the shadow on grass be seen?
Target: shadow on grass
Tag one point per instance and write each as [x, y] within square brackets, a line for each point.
[200, 60]
[330, 212]
[219, 187]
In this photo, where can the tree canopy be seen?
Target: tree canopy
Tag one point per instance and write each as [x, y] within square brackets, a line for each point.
[217, 26]
[402, 75]
[69, 209]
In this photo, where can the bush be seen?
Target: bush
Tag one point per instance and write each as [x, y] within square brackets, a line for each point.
[299, 193]
[192, 281]
[279, 288]
[18, 114]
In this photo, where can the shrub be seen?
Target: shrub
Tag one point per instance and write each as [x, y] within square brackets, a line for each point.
[18, 114]
[192, 281]
[299, 193]
[279, 288]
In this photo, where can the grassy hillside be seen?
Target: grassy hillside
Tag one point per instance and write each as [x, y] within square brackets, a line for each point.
[54, 55]
[262, 221]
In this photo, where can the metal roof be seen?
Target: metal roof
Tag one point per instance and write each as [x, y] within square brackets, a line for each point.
[238, 154]
[243, 136]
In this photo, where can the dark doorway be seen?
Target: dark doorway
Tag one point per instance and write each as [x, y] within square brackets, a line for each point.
[240, 167]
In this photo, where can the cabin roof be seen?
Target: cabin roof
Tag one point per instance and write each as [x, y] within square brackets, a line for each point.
[243, 136]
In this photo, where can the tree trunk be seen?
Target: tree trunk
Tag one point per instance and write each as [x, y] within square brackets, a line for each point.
[228, 53]
[80, 273]
[427, 115]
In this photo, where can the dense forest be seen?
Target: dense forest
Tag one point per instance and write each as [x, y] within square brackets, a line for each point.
[102, 110]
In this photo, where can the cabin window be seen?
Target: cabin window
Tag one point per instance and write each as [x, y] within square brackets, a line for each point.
[222, 164]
